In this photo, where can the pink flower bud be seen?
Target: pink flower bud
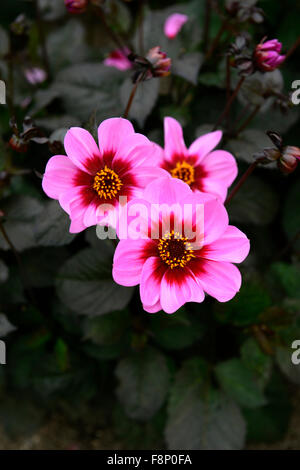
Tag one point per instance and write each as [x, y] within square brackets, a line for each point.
[161, 64]
[76, 6]
[267, 55]
[119, 59]
[173, 24]
[35, 75]
[289, 159]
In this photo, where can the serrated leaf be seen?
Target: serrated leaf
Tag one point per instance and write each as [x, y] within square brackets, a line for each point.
[143, 383]
[215, 423]
[86, 286]
[96, 88]
[52, 226]
[176, 332]
[249, 143]
[63, 42]
[238, 382]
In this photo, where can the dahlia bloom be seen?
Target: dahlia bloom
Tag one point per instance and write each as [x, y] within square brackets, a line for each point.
[173, 24]
[169, 268]
[76, 7]
[201, 168]
[89, 181]
[119, 59]
[267, 55]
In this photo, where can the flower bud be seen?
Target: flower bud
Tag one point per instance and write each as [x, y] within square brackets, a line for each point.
[288, 161]
[267, 55]
[76, 6]
[18, 144]
[159, 61]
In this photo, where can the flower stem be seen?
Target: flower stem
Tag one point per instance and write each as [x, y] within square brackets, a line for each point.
[229, 103]
[42, 38]
[292, 49]
[132, 95]
[108, 29]
[243, 179]
[207, 20]
[215, 42]
[248, 120]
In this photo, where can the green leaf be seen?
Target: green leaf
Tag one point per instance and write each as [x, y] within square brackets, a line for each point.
[255, 360]
[188, 66]
[53, 224]
[40, 265]
[85, 283]
[259, 85]
[255, 203]
[63, 42]
[270, 423]
[96, 88]
[238, 382]
[143, 383]
[144, 100]
[62, 354]
[284, 360]
[213, 423]
[110, 335]
[52, 10]
[177, 331]
[291, 213]
[289, 277]
[246, 307]
[21, 215]
[248, 143]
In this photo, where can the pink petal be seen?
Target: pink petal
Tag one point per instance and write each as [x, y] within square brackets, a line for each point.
[82, 149]
[205, 144]
[137, 150]
[233, 246]
[166, 190]
[128, 262]
[153, 308]
[220, 170]
[221, 280]
[144, 175]
[112, 133]
[173, 24]
[67, 197]
[59, 176]
[151, 277]
[215, 220]
[174, 142]
[90, 217]
[177, 288]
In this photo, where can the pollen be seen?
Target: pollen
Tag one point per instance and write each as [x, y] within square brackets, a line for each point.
[107, 183]
[175, 250]
[184, 171]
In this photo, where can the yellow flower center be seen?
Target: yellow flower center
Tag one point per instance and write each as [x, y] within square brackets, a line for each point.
[184, 171]
[175, 250]
[107, 183]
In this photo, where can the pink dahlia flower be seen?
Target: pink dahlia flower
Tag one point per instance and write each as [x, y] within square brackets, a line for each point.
[173, 24]
[119, 59]
[201, 167]
[169, 268]
[267, 55]
[90, 180]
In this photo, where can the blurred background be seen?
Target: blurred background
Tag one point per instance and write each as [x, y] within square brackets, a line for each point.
[86, 367]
